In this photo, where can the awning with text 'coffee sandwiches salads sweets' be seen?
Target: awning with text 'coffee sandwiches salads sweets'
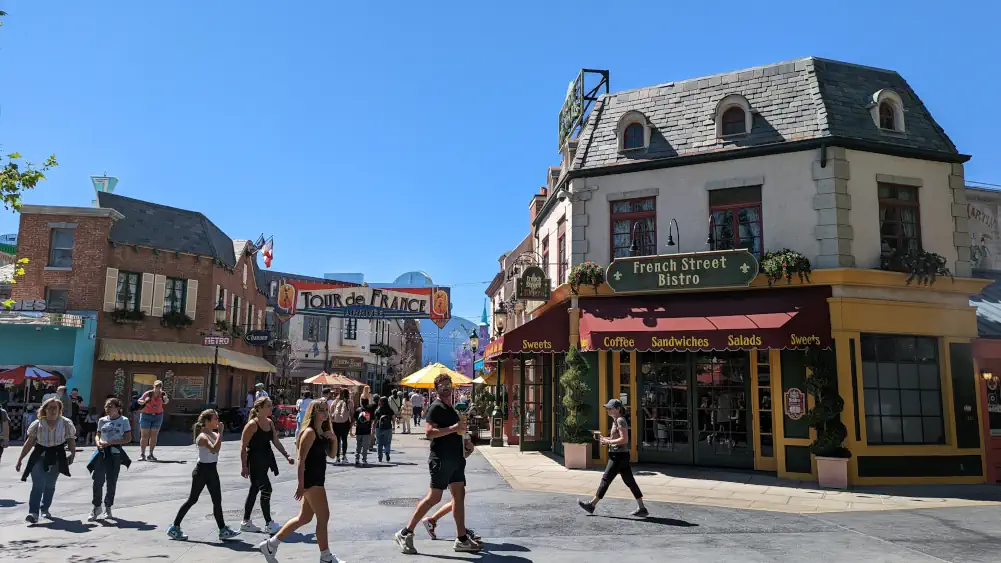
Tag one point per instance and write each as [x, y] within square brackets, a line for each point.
[549, 332]
[773, 318]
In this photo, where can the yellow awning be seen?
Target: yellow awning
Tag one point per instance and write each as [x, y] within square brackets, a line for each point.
[121, 350]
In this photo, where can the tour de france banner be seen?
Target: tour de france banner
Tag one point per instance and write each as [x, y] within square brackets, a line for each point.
[363, 302]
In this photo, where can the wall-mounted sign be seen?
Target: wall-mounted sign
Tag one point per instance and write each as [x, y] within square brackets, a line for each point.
[334, 300]
[216, 341]
[346, 363]
[189, 388]
[258, 337]
[682, 272]
[29, 305]
[794, 403]
[533, 285]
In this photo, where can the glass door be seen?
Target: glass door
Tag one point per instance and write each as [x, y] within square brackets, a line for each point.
[666, 433]
[536, 401]
[722, 387]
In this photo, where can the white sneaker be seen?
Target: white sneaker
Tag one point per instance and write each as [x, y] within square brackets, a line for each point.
[270, 553]
[330, 558]
[95, 513]
[272, 527]
[107, 513]
[249, 526]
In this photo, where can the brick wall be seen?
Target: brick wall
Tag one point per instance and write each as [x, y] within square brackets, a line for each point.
[85, 280]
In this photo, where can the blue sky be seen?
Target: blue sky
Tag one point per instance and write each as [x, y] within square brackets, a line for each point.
[388, 137]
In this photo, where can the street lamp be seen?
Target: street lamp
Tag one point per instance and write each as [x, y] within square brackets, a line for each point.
[220, 316]
[500, 318]
[670, 240]
[474, 343]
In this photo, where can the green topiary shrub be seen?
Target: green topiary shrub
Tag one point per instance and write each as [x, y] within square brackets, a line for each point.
[574, 427]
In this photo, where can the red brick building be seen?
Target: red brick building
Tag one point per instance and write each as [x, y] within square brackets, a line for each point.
[155, 274]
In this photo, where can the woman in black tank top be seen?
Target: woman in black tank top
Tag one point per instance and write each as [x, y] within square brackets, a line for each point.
[258, 459]
[314, 444]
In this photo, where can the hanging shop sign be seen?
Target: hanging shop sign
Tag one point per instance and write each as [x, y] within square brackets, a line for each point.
[795, 403]
[682, 272]
[362, 302]
[346, 363]
[258, 337]
[533, 285]
[216, 341]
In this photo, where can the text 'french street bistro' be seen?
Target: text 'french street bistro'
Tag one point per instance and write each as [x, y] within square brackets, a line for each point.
[699, 270]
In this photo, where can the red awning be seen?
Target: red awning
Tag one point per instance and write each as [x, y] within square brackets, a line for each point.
[550, 332]
[774, 318]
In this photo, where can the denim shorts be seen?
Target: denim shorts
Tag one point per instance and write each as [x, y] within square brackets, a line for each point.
[150, 421]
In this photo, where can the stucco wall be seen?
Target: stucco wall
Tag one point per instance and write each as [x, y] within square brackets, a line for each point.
[934, 195]
[549, 227]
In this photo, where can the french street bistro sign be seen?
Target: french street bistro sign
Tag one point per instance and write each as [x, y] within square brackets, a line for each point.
[533, 285]
[682, 272]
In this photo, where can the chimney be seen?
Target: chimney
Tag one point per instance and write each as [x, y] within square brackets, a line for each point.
[103, 184]
[538, 200]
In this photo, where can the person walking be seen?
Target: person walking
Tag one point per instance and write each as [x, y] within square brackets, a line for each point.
[417, 400]
[384, 417]
[301, 406]
[396, 403]
[208, 439]
[447, 465]
[340, 414]
[257, 459]
[618, 462]
[151, 418]
[4, 430]
[314, 444]
[260, 392]
[362, 432]
[48, 438]
[113, 432]
[406, 414]
[431, 522]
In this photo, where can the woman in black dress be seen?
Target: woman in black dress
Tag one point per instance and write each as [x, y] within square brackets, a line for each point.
[314, 444]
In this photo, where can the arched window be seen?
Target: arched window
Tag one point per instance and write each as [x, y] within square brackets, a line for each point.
[633, 137]
[734, 121]
[887, 119]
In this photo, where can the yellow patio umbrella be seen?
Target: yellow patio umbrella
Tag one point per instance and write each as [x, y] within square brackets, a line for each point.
[424, 378]
[489, 378]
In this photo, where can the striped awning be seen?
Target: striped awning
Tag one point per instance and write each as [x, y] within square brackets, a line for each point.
[121, 350]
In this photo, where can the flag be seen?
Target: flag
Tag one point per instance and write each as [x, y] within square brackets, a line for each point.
[260, 242]
[268, 252]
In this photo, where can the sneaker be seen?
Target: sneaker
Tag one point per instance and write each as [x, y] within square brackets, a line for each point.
[142, 457]
[175, 533]
[387, 459]
[380, 460]
[31, 519]
[46, 514]
[249, 526]
[472, 535]
[357, 463]
[227, 533]
[95, 513]
[641, 512]
[406, 542]
[430, 525]
[151, 458]
[468, 546]
[330, 558]
[272, 527]
[107, 513]
[588, 507]
[269, 553]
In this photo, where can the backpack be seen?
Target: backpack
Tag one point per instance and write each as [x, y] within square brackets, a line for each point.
[385, 422]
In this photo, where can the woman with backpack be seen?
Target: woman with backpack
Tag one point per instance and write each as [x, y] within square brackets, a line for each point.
[384, 419]
[341, 412]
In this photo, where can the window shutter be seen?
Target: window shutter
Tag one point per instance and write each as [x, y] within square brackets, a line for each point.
[146, 294]
[260, 319]
[110, 287]
[244, 276]
[191, 299]
[226, 304]
[159, 287]
[215, 297]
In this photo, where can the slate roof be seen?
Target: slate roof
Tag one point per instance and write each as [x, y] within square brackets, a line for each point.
[799, 100]
[988, 305]
[167, 228]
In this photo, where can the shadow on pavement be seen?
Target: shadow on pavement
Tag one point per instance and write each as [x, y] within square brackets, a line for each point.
[71, 526]
[9, 503]
[167, 461]
[127, 525]
[298, 537]
[653, 520]
[232, 545]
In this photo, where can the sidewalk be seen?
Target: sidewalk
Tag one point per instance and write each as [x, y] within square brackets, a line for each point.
[543, 472]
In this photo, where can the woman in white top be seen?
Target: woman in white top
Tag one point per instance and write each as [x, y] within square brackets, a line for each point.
[48, 437]
[208, 439]
[301, 406]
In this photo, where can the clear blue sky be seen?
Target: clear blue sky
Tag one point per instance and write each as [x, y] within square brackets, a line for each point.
[387, 137]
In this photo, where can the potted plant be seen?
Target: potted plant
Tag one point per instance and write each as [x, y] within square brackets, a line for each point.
[587, 273]
[176, 319]
[222, 326]
[127, 316]
[574, 428]
[925, 267]
[825, 417]
[784, 264]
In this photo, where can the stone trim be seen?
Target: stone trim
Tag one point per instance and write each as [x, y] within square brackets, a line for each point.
[833, 204]
[735, 183]
[62, 225]
[633, 194]
[900, 180]
[73, 211]
[960, 217]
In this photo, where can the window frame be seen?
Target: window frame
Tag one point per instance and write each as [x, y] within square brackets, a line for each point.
[900, 203]
[138, 292]
[545, 253]
[634, 126]
[632, 217]
[350, 328]
[168, 293]
[734, 208]
[561, 254]
[53, 248]
[742, 121]
[891, 113]
[48, 299]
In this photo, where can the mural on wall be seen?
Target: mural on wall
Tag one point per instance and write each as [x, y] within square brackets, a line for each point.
[189, 388]
[984, 240]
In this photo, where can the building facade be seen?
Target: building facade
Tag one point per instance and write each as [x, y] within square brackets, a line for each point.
[833, 162]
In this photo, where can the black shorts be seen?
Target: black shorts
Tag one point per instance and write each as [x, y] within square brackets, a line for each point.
[444, 472]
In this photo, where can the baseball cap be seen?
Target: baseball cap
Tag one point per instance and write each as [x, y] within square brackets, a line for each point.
[261, 385]
[613, 404]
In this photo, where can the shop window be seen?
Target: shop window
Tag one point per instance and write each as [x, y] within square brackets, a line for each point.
[903, 390]
[6, 290]
[127, 292]
[899, 220]
[634, 227]
[350, 329]
[173, 295]
[735, 219]
[56, 300]
[142, 382]
[561, 251]
[61, 248]
[765, 428]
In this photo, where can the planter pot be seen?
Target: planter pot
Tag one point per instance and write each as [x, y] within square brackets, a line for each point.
[575, 456]
[832, 472]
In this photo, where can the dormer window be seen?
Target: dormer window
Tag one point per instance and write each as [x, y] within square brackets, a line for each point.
[886, 117]
[887, 111]
[633, 131]
[733, 121]
[733, 116]
[633, 138]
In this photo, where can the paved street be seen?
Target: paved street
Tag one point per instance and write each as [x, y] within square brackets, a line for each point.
[519, 526]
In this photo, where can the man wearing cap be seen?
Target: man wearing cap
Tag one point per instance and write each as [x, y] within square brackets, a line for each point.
[260, 392]
[618, 461]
